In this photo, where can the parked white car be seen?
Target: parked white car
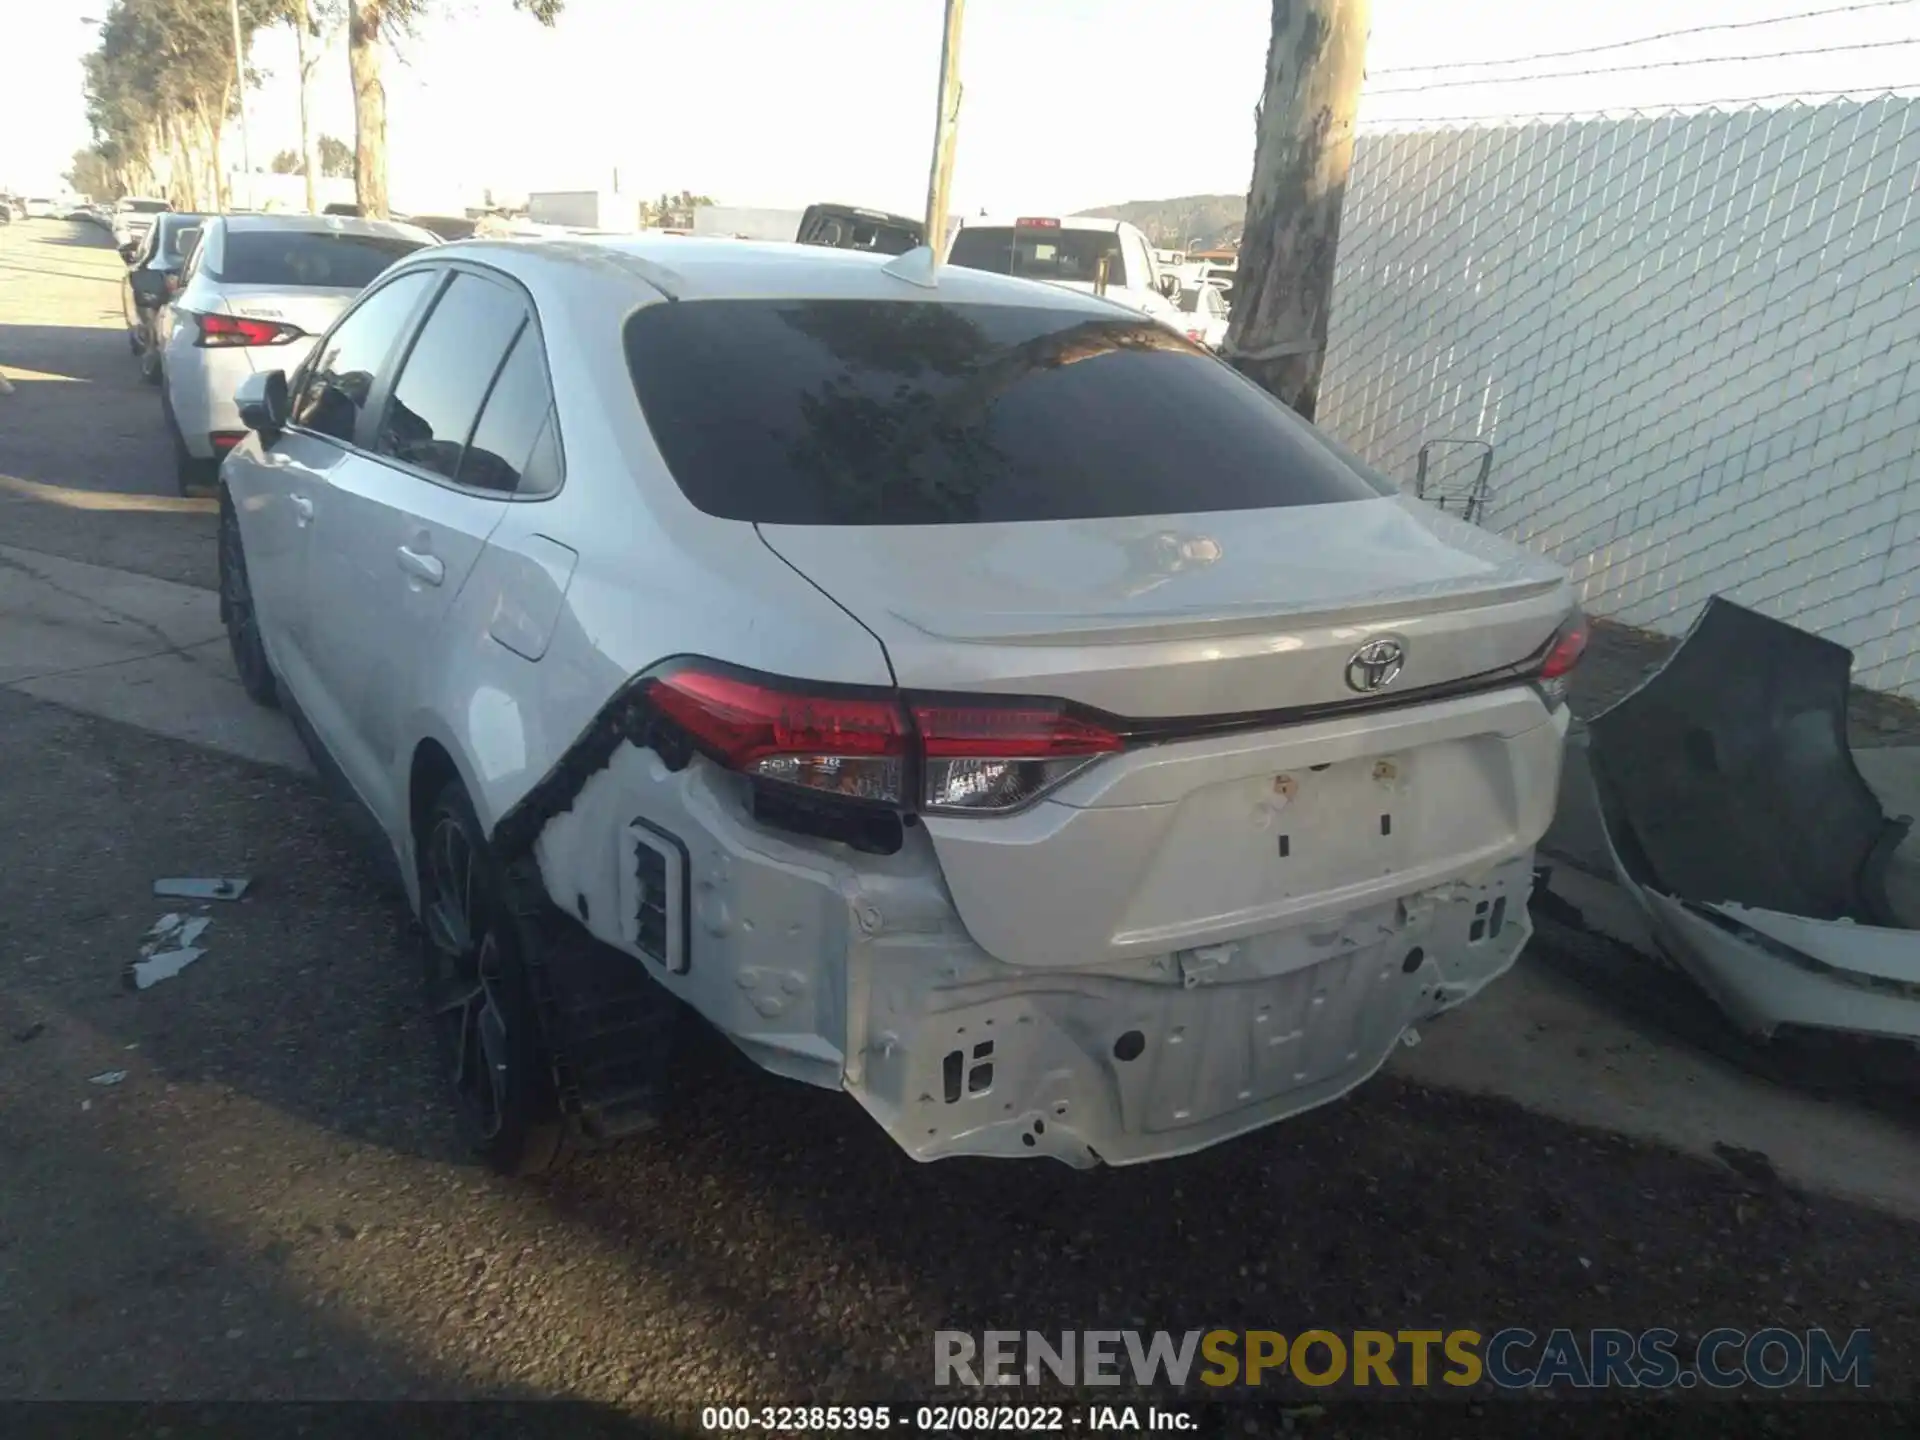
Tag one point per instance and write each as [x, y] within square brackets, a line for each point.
[254, 294]
[42, 207]
[1203, 309]
[132, 219]
[1078, 252]
[974, 698]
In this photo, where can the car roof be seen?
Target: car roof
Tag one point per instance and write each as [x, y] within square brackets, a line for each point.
[692, 267]
[246, 224]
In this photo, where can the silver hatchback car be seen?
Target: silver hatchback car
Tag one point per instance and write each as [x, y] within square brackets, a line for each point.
[959, 691]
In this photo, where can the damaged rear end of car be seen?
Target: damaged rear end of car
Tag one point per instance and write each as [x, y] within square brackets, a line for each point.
[1204, 764]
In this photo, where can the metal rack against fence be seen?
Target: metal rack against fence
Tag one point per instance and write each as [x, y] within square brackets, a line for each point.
[1692, 342]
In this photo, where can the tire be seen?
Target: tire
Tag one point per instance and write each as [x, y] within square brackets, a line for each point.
[237, 613]
[191, 474]
[474, 952]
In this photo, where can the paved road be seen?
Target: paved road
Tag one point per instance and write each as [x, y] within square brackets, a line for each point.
[267, 1205]
[85, 467]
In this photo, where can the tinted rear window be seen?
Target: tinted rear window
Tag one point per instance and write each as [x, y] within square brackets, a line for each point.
[309, 257]
[1072, 256]
[858, 412]
[146, 207]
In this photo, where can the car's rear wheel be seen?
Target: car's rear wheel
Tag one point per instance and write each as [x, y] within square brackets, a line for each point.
[480, 997]
[191, 474]
[238, 614]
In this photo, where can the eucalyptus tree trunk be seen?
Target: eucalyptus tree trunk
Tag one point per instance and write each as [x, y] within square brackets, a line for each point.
[364, 21]
[1283, 287]
[306, 59]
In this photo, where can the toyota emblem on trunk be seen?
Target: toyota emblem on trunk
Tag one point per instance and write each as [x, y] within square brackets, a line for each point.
[1376, 664]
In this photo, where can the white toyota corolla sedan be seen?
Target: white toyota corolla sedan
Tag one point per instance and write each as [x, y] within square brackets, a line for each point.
[253, 295]
[960, 691]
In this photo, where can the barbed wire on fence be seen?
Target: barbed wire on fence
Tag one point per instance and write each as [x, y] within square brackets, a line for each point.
[1634, 67]
[1716, 28]
[1693, 342]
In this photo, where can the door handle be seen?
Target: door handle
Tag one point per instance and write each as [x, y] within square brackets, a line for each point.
[302, 510]
[421, 567]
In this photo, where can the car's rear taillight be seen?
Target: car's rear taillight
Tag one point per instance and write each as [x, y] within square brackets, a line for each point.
[947, 755]
[977, 759]
[1569, 644]
[850, 745]
[222, 331]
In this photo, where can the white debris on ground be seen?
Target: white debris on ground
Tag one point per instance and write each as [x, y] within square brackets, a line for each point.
[169, 949]
[199, 888]
[107, 1077]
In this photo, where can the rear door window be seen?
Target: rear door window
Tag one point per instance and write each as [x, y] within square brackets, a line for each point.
[319, 258]
[1062, 256]
[897, 412]
[513, 448]
[448, 372]
[337, 383]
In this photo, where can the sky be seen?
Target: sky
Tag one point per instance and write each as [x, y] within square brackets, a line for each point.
[1068, 104]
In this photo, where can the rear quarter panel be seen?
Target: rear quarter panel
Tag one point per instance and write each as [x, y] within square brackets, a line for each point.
[654, 579]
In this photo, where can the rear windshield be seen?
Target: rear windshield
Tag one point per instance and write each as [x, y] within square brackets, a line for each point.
[1071, 256]
[309, 257]
[865, 412]
[144, 207]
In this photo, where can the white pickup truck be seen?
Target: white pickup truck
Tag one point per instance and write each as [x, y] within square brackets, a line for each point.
[1080, 252]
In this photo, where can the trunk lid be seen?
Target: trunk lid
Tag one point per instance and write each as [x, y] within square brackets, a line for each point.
[312, 308]
[1266, 800]
[1233, 612]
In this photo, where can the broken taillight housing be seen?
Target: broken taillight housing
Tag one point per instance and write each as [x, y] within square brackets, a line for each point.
[980, 758]
[1569, 644]
[845, 744]
[951, 755]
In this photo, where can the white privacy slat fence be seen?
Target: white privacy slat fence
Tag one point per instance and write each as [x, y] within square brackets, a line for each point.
[1691, 342]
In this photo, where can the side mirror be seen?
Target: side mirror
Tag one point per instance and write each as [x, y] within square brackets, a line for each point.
[1169, 284]
[149, 287]
[263, 403]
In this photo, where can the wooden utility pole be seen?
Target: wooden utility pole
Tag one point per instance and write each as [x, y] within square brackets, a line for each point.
[945, 130]
[1303, 150]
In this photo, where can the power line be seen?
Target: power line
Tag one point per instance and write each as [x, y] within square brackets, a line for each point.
[1647, 65]
[1724, 25]
[1664, 108]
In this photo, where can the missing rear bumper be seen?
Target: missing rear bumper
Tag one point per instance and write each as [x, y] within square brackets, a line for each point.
[1098, 1068]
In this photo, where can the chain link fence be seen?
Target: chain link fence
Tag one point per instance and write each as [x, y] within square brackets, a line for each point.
[1681, 353]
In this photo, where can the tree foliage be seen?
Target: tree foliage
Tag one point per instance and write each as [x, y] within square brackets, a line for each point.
[672, 212]
[370, 25]
[91, 175]
[336, 157]
[160, 90]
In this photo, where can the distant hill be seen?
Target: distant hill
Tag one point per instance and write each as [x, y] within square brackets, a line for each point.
[1208, 219]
